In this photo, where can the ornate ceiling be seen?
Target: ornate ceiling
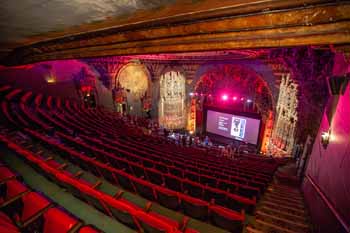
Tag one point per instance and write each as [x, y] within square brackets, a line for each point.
[48, 30]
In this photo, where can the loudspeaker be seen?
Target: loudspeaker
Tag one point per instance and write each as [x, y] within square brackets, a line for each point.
[337, 84]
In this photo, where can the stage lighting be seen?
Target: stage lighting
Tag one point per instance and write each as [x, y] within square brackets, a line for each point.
[235, 98]
[242, 99]
[249, 101]
[224, 97]
[191, 94]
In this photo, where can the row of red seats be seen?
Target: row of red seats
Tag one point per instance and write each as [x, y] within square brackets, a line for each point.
[82, 116]
[123, 211]
[25, 210]
[136, 167]
[163, 156]
[193, 207]
[219, 196]
[256, 191]
[183, 164]
[154, 172]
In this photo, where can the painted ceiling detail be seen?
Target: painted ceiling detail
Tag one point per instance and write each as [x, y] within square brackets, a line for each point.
[26, 18]
[38, 30]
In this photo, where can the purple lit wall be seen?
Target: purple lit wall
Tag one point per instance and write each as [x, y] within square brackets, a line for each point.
[329, 168]
[34, 77]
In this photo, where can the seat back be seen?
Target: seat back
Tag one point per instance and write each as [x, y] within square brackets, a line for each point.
[145, 189]
[224, 218]
[97, 203]
[195, 208]
[6, 174]
[125, 181]
[154, 176]
[59, 221]
[173, 183]
[89, 229]
[33, 204]
[154, 223]
[11, 189]
[218, 196]
[193, 189]
[124, 215]
[167, 198]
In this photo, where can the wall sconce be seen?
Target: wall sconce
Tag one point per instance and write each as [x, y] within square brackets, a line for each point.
[325, 136]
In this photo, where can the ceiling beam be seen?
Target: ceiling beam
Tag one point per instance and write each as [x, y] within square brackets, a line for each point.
[319, 24]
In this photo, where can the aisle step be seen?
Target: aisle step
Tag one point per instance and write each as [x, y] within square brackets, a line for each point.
[283, 199]
[284, 203]
[285, 223]
[296, 196]
[284, 188]
[284, 214]
[267, 227]
[295, 211]
[251, 229]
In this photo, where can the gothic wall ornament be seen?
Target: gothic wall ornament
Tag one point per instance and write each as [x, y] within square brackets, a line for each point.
[283, 135]
[172, 107]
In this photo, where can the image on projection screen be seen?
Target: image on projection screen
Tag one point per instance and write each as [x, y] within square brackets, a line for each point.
[241, 128]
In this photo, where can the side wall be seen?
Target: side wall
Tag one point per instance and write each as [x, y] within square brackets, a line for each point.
[328, 172]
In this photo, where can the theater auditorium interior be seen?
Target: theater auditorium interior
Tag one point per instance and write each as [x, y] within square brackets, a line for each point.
[169, 116]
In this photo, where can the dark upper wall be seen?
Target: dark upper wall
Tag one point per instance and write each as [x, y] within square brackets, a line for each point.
[34, 78]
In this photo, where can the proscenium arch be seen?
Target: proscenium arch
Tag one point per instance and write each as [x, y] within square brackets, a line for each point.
[262, 70]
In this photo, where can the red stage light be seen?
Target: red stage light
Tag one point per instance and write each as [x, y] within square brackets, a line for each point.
[224, 97]
[234, 98]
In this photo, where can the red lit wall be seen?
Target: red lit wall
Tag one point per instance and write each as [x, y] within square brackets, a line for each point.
[329, 169]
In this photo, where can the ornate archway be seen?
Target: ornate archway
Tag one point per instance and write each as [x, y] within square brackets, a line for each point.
[133, 78]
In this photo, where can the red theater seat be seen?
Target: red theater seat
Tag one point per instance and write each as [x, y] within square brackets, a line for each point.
[125, 181]
[124, 213]
[6, 174]
[155, 223]
[227, 219]
[194, 207]
[172, 182]
[28, 208]
[10, 191]
[89, 229]
[138, 170]
[6, 224]
[193, 189]
[145, 189]
[168, 198]
[218, 196]
[154, 176]
[59, 221]
[191, 176]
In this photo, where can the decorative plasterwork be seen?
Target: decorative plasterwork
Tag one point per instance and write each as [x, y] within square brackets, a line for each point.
[256, 24]
[283, 135]
[172, 108]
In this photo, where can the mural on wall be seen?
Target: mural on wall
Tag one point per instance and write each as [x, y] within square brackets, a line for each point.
[172, 113]
[283, 135]
[133, 78]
